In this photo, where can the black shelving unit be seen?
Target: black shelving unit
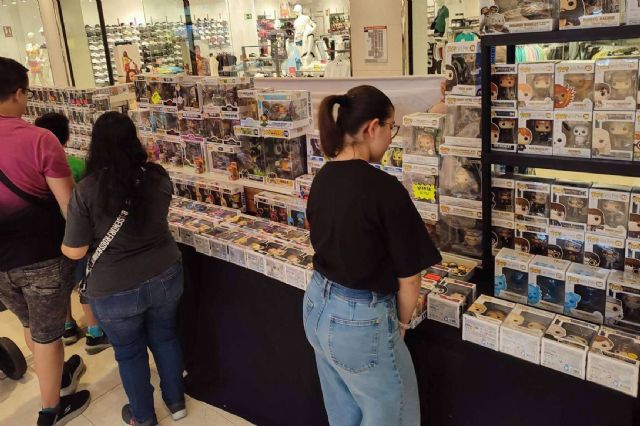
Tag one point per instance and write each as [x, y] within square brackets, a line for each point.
[490, 158]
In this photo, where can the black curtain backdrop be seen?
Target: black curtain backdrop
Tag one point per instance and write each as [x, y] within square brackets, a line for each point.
[246, 352]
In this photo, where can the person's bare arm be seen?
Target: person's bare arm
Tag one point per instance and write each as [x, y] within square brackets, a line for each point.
[61, 189]
[74, 253]
[407, 298]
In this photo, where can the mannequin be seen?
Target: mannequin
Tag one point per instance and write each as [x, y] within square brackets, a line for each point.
[34, 60]
[304, 29]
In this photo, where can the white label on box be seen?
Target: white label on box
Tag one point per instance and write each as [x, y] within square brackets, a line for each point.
[202, 245]
[175, 231]
[480, 332]
[521, 345]
[295, 276]
[255, 262]
[186, 236]
[613, 373]
[237, 256]
[219, 250]
[564, 358]
[275, 269]
[443, 311]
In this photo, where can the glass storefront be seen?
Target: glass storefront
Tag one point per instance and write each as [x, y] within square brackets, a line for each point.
[23, 39]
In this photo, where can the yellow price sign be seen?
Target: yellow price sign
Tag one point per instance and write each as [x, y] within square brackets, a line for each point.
[156, 98]
[424, 191]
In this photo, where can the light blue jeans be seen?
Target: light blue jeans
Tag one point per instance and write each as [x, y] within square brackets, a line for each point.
[365, 368]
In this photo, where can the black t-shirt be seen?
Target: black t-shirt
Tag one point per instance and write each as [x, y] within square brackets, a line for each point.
[365, 230]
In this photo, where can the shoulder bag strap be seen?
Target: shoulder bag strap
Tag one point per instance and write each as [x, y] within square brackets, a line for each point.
[31, 199]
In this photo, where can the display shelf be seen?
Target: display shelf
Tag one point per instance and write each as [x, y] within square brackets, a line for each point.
[570, 164]
[585, 34]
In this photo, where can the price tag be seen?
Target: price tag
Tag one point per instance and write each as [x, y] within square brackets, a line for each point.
[424, 191]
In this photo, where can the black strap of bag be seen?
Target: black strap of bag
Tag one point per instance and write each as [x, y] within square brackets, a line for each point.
[31, 199]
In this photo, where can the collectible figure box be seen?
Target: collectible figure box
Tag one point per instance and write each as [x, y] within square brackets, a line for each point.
[504, 16]
[632, 256]
[616, 84]
[297, 213]
[164, 91]
[191, 126]
[585, 292]
[459, 231]
[448, 300]
[503, 234]
[211, 95]
[614, 360]
[194, 156]
[633, 13]
[482, 321]
[531, 238]
[462, 69]
[289, 110]
[547, 278]
[303, 186]
[457, 267]
[574, 85]
[189, 98]
[221, 158]
[533, 200]
[512, 275]
[274, 266]
[636, 144]
[522, 331]
[504, 129]
[284, 160]
[393, 158]
[535, 132]
[608, 210]
[504, 85]
[212, 127]
[503, 196]
[420, 312]
[623, 301]
[460, 177]
[613, 135]
[565, 345]
[421, 181]
[604, 251]
[536, 85]
[566, 244]
[572, 133]
[426, 138]
[171, 151]
[585, 14]
[634, 214]
[251, 162]
[569, 205]
[228, 104]
[463, 121]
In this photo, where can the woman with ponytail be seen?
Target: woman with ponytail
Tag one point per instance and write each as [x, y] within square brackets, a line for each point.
[370, 247]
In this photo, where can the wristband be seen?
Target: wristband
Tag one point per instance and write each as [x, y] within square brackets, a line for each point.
[404, 326]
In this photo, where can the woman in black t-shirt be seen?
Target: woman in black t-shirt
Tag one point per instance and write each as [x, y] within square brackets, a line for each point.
[370, 247]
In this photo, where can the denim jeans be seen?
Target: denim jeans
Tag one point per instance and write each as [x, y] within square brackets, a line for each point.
[140, 318]
[365, 368]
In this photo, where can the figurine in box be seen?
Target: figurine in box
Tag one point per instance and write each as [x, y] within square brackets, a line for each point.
[616, 83]
[284, 158]
[605, 252]
[425, 141]
[251, 158]
[460, 178]
[502, 199]
[194, 155]
[188, 95]
[623, 301]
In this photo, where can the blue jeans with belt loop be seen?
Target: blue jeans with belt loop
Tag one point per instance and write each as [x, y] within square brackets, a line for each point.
[365, 368]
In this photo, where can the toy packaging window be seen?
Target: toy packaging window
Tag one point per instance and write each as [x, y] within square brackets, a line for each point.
[632, 257]
[211, 94]
[170, 152]
[585, 14]
[422, 184]
[613, 135]
[459, 231]
[535, 132]
[141, 118]
[462, 69]
[504, 86]
[505, 16]
[565, 345]
[297, 214]
[533, 200]
[531, 238]
[569, 205]
[503, 233]
[426, 138]
[250, 159]
[603, 251]
[616, 84]
[194, 155]
[536, 85]
[574, 85]
[634, 214]
[512, 275]
[566, 244]
[189, 98]
[289, 109]
[314, 147]
[212, 127]
[460, 177]
[482, 321]
[191, 126]
[572, 134]
[522, 331]
[623, 301]
[614, 360]
[547, 277]
[633, 13]
[393, 158]
[303, 186]
[284, 160]
[504, 129]
[448, 299]
[164, 123]
[220, 157]
[585, 292]
[503, 196]
[463, 121]
[608, 210]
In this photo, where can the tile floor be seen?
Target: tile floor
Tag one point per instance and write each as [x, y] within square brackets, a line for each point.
[19, 401]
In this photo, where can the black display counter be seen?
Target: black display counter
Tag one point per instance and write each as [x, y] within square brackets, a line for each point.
[246, 352]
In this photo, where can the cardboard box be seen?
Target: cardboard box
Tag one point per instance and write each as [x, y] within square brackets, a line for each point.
[482, 321]
[609, 210]
[531, 238]
[463, 121]
[512, 275]
[503, 196]
[421, 182]
[448, 299]
[285, 110]
[462, 69]
[566, 244]
[574, 85]
[459, 231]
[547, 278]
[535, 132]
[603, 251]
[503, 234]
[614, 360]
[426, 138]
[572, 133]
[569, 205]
[460, 177]
[522, 331]
[634, 214]
[565, 345]
[504, 85]
[504, 16]
[533, 197]
[585, 292]
[576, 15]
[616, 84]
[623, 301]
[613, 135]
[536, 85]
[504, 129]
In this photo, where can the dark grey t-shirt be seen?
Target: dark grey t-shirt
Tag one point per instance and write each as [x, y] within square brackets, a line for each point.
[140, 251]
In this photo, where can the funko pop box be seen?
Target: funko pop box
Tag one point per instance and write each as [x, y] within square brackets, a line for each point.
[512, 275]
[504, 86]
[616, 84]
[463, 121]
[503, 196]
[566, 244]
[531, 238]
[483, 319]
[426, 137]
[572, 133]
[536, 85]
[609, 210]
[574, 85]
[535, 132]
[585, 292]
[565, 345]
[604, 251]
[533, 196]
[634, 214]
[421, 181]
[288, 109]
[504, 16]
[504, 129]
[623, 301]
[522, 331]
[547, 279]
[462, 69]
[613, 135]
[569, 205]
[503, 232]
[582, 14]
[614, 360]
[448, 299]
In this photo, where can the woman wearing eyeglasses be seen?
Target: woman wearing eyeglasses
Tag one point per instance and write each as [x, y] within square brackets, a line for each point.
[370, 247]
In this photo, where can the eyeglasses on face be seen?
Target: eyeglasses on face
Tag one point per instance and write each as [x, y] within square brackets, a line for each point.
[395, 128]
